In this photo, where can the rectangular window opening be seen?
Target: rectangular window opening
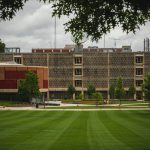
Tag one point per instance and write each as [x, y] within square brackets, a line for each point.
[78, 83]
[139, 71]
[78, 60]
[78, 71]
[139, 59]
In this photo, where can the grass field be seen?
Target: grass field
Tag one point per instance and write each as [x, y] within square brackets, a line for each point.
[75, 130]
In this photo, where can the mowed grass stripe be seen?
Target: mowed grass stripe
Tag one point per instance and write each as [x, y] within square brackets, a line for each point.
[123, 132]
[75, 137]
[26, 127]
[19, 121]
[52, 133]
[99, 135]
[42, 133]
[71, 130]
[139, 125]
[5, 115]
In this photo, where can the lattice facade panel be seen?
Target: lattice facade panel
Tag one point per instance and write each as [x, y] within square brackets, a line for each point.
[147, 63]
[117, 72]
[147, 59]
[6, 57]
[95, 59]
[146, 70]
[35, 59]
[95, 72]
[121, 59]
[61, 59]
[60, 70]
[126, 82]
[98, 83]
[95, 69]
[59, 82]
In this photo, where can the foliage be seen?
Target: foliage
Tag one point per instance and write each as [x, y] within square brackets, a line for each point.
[119, 91]
[92, 17]
[71, 90]
[143, 90]
[22, 91]
[2, 47]
[29, 88]
[90, 90]
[131, 91]
[112, 91]
[98, 96]
[81, 96]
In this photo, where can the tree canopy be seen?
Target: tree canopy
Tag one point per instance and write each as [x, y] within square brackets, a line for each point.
[2, 47]
[28, 87]
[91, 90]
[119, 91]
[131, 91]
[112, 91]
[71, 90]
[92, 17]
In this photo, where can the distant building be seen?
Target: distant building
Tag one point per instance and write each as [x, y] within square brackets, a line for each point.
[78, 48]
[126, 49]
[146, 45]
[100, 67]
[12, 49]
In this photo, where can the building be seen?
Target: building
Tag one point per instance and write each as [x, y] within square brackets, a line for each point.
[11, 74]
[97, 66]
[12, 49]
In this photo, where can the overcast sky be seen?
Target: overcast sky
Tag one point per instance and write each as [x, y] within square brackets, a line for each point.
[33, 27]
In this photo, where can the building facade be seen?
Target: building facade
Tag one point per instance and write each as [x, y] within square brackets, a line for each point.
[11, 74]
[89, 67]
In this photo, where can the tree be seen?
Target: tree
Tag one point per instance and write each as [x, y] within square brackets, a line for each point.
[81, 96]
[112, 91]
[71, 90]
[99, 97]
[147, 87]
[119, 91]
[131, 92]
[28, 87]
[2, 47]
[92, 17]
[91, 90]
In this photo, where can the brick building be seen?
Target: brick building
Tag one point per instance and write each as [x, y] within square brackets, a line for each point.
[99, 67]
[11, 74]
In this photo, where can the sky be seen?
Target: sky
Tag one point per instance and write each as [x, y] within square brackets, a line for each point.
[33, 27]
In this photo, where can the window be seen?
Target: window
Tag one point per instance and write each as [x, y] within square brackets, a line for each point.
[78, 60]
[78, 71]
[139, 71]
[139, 59]
[139, 83]
[18, 60]
[78, 83]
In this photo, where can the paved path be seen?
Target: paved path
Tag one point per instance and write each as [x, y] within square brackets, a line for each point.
[53, 109]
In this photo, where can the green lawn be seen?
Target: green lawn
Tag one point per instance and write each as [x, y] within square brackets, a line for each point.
[13, 103]
[75, 130]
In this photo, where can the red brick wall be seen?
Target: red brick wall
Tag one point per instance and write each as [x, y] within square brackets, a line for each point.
[10, 76]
